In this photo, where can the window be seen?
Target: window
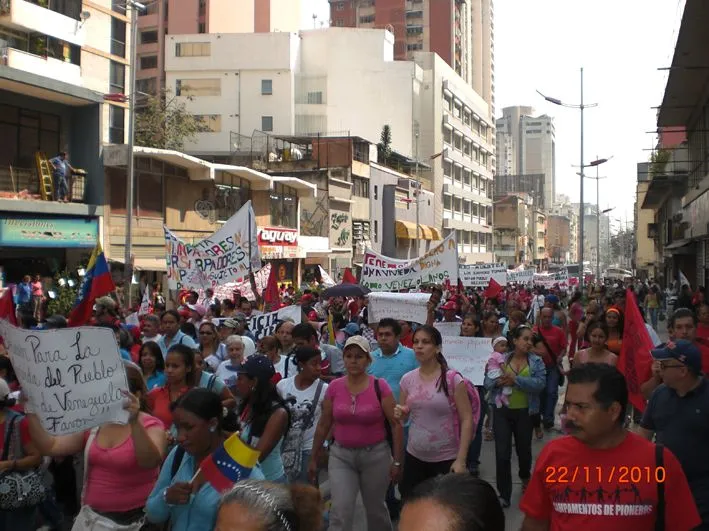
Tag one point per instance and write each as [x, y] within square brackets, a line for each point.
[414, 30]
[212, 121]
[284, 206]
[148, 190]
[376, 228]
[266, 87]
[201, 28]
[339, 22]
[267, 123]
[24, 132]
[315, 98]
[366, 19]
[118, 37]
[151, 8]
[230, 195]
[447, 202]
[147, 86]
[340, 6]
[116, 124]
[193, 49]
[202, 8]
[360, 187]
[376, 193]
[447, 136]
[149, 37]
[148, 61]
[198, 87]
[118, 78]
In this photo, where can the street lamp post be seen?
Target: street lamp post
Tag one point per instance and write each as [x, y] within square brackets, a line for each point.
[581, 106]
[130, 179]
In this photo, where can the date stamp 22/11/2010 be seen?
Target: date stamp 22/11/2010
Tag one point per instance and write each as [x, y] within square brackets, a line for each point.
[607, 474]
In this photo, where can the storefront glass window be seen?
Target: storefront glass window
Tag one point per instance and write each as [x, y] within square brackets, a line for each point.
[230, 195]
[284, 206]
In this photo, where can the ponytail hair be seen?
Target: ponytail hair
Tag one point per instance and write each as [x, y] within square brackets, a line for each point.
[435, 335]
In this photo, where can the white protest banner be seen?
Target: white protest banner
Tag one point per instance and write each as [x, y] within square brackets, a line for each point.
[326, 279]
[440, 264]
[479, 275]
[400, 306]
[521, 276]
[145, 303]
[226, 291]
[448, 329]
[468, 355]
[265, 324]
[223, 257]
[549, 280]
[73, 377]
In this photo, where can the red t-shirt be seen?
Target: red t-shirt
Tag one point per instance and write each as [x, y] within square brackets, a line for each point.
[574, 487]
[24, 427]
[159, 401]
[556, 339]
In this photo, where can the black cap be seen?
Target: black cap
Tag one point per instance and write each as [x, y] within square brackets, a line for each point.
[256, 366]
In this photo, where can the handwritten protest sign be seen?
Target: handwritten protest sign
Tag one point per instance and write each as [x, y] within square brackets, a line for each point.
[523, 276]
[549, 280]
[265, 324]
[400, 306]
[468, 355]
[440, 264]
[448, 329]
[226, 291]
[223, 257]
[72, 377]
[479, 275]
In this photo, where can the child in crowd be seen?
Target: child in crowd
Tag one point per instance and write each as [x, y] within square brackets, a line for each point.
[495, 369]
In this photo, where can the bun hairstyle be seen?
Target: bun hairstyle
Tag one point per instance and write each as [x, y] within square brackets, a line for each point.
[435, 336]
[278, 507]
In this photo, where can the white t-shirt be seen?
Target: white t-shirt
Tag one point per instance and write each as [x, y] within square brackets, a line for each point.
[280, 366]
[301, 409]
[224, 374]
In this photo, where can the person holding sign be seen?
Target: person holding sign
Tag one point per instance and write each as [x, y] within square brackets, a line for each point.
[182, 496]
[433, 447]
[121, 461]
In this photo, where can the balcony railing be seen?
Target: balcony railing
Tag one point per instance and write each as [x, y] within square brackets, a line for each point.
[23, 184]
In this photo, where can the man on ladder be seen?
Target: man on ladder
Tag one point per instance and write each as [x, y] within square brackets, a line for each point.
[62, 169]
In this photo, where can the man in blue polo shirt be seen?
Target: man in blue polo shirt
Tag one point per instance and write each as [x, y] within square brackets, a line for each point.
[390, 362]
[678, 413]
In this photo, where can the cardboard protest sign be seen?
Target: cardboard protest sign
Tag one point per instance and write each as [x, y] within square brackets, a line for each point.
[521, 276]
[468, 355]
[73, 377]
[264, 324]
[448, 329]
[401, 306]
[479, 275]
[440, 264]
[223, 257]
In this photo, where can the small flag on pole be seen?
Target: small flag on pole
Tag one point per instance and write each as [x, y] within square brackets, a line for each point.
[231, 462]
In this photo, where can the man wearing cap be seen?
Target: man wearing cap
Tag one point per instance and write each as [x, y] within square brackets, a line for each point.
[678, 413]
[242, 329]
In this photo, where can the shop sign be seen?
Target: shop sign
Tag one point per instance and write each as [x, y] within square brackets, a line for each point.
[278, 236]
[48, 232]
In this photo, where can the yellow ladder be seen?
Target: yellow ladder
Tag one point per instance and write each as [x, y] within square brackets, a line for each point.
[44, 172]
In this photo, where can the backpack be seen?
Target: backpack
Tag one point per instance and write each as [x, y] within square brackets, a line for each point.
[473, 396]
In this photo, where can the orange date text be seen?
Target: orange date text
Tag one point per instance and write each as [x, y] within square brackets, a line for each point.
[604, 474]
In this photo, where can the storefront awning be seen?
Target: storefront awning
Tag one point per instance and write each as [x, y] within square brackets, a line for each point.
[684, 246]
[405, 230]
[425, 232]
[436, 234]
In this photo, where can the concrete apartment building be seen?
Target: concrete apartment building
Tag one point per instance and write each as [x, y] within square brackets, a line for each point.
[565, 209]
[59, 59]
[168, 17]
[526, 145]
[255, 85]
[461, 32]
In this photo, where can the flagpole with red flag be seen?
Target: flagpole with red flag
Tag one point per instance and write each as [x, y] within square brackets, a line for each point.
[348, 277]
[493, 289]
[270, 293]
[635, 361]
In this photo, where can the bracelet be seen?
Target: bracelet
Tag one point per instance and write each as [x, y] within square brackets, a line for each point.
[164, 497]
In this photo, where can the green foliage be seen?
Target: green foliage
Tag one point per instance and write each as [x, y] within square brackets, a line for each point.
[65, 295]
[384, 146]
[163, 122]
[659, 160]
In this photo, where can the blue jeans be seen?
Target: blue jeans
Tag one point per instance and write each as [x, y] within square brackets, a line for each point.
[476, 446]
[653, 317]
[550, 396]
[61, 187]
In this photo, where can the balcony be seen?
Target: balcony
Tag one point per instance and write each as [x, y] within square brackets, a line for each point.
[44, 66]
[58, 18]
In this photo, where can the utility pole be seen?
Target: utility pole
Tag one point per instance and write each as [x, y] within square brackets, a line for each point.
[417, 195]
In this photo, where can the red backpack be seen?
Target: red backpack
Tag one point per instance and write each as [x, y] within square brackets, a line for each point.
[473, 396]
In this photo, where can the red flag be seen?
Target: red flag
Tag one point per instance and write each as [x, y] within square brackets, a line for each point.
[493, 289]
[635, 361]
[270, 293]
[7, 307]
[348, 277]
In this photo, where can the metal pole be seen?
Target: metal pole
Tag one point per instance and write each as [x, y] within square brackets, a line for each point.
[598, 226]
[581, 212]
[131, 143]
[417, 196]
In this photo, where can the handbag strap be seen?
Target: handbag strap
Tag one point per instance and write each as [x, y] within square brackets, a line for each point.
[87, 449]
[659, 459]
[9, 428]
[311, 411]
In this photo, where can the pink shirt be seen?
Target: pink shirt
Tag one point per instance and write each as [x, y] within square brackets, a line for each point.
[431, 434]
[116, 483]
[358, 419]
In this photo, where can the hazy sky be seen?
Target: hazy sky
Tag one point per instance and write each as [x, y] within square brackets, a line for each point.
[541, 44]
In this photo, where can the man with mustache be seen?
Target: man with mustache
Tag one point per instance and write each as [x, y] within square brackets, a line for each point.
[618, 471]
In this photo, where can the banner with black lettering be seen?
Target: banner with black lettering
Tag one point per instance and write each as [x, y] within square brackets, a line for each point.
[264, 324]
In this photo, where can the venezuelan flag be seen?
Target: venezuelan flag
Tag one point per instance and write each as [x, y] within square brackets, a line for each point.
[231, 462]
[97, 283]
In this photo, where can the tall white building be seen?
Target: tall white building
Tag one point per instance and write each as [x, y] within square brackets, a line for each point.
[346, 81]
[526, 145]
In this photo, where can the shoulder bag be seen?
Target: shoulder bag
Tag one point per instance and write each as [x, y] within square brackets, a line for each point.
[18, 489]
[90, 520]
